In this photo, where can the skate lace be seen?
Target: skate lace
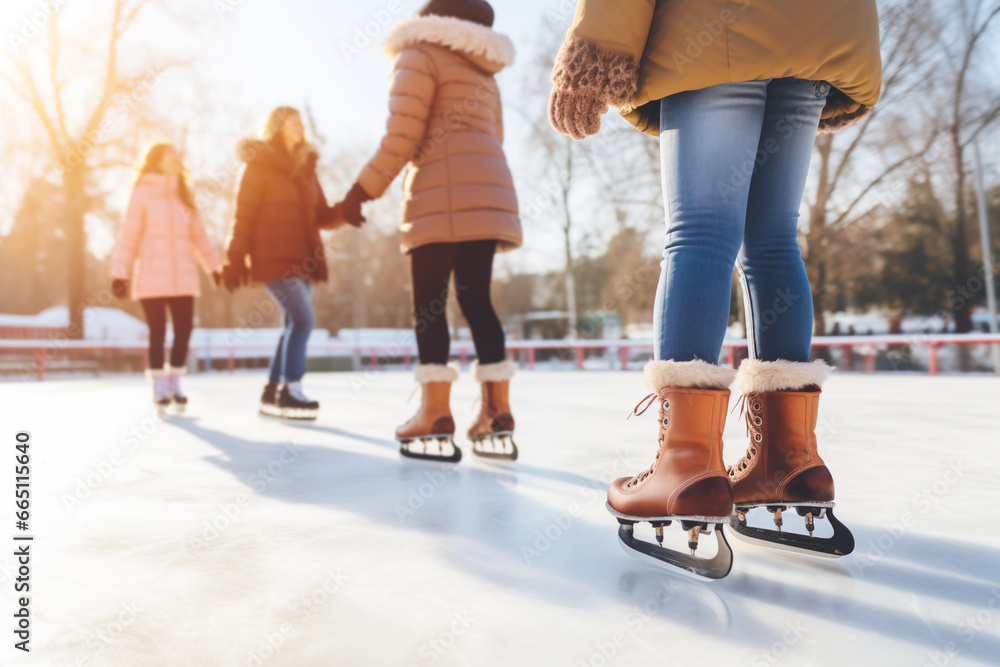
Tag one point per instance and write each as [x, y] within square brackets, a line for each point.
[749, 405]
[636, 412]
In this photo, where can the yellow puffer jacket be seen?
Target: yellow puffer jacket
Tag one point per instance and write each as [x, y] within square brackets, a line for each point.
[680, 45]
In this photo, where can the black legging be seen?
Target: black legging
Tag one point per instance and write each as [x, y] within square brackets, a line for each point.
[182, 314]
[430, 267]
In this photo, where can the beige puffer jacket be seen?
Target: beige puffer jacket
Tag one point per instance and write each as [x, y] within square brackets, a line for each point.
[446, 128]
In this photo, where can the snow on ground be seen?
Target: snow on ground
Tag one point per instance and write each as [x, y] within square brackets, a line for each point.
[223, 538]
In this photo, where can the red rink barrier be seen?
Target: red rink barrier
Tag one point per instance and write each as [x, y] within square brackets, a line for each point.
[44, 351]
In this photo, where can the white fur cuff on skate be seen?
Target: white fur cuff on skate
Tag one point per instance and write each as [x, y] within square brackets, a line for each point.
[498, 372]
[157, 372]
[760, 377]
[178, 370]
[436, 373]
[695, 374]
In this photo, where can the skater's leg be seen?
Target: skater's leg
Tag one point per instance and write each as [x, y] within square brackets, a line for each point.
[430, 270]
[156, 318]
[473, 276]
[708, 147]
[182, 315]
[276, 367]
[495, 423]
[776, 290]
[294, 295]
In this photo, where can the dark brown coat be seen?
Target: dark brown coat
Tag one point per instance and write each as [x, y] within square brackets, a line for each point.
[280, 208]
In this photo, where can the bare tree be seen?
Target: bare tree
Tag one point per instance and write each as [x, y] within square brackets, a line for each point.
[877, 150]
[971, 109]
[85, 131]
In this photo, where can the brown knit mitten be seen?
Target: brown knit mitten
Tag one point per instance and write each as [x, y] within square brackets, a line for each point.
[587, 79]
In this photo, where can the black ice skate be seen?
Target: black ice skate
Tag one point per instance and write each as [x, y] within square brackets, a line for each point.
[293, 404]
[269, 400]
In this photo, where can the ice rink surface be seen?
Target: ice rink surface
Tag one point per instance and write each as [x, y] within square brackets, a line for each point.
[224, 538]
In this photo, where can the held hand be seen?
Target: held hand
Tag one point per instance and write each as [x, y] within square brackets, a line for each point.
[119, 287]
[334, 218]
[351, 206]
[234, 276]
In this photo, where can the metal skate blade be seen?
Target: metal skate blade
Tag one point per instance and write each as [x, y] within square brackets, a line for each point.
[404, 450]
[674, 562]
[296, 414]
[479, 450]
[840, 544]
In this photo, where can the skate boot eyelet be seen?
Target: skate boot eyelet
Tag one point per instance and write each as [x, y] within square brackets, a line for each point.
[666, 422]
[757, 421]
[666, 404]
[757, 437]
[755, 407]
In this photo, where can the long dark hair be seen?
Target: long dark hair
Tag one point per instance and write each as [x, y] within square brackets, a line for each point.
[151, 165]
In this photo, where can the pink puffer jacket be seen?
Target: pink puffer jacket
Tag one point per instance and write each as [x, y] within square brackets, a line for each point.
[162, 242]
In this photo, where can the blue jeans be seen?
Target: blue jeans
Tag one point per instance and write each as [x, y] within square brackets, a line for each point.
[735, 158]
[294, 296]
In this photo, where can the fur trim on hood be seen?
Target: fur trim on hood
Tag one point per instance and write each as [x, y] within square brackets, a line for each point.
[251, 149]
[760, 377]
[695, 374]
[464, 37]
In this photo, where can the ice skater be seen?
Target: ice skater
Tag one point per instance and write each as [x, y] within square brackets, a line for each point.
[736, 103]
[162, 241]
[446, 128]
[275, 241]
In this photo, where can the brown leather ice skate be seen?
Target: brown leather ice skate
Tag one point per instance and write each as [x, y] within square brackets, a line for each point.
[495, 424]
[687, 481]
[782, 468]
[433, 422]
